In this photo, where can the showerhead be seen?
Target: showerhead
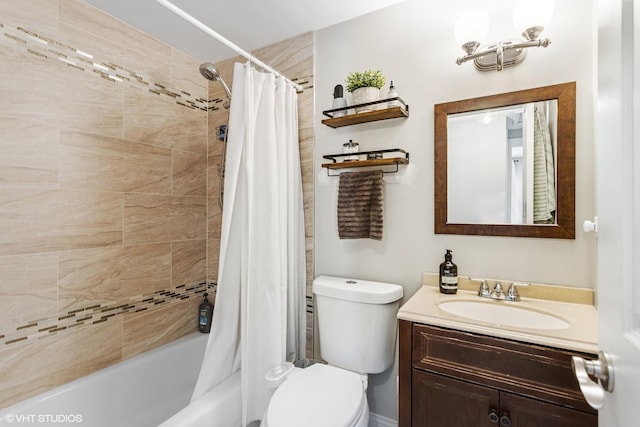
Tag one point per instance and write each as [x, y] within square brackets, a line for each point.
[210, 72]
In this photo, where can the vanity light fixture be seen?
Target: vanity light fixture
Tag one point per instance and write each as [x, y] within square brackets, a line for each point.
[473, 26]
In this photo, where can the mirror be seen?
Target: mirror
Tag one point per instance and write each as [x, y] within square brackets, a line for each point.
[505, 164]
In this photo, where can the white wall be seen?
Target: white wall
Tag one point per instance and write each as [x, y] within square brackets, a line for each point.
[413, 44]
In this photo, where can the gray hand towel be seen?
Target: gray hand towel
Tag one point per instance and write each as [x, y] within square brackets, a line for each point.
[360, 197]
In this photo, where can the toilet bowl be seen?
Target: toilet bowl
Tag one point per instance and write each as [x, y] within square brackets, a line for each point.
[319, 396]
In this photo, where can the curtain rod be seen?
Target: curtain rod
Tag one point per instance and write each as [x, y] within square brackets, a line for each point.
[184, 15]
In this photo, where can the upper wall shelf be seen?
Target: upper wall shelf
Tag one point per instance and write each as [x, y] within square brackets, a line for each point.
[369, 116]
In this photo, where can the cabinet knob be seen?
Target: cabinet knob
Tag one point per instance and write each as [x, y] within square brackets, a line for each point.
[505, 421]
[493, 417]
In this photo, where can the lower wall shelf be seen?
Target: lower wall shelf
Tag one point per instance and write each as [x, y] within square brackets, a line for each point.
[385, 161]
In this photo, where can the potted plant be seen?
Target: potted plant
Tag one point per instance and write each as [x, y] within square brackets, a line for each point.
[365, 87]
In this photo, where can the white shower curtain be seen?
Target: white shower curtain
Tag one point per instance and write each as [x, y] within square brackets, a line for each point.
[259, 316]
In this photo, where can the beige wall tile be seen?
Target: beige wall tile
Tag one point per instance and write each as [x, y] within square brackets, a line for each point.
[95, 276]
[87, 28]
[309, 265]
[308, 177]
[151, 119]
[28, 287]
[157, 218]
[52, 361]
[189, 262]
[99, 163]
[189, 174]
[21, 13]
[149, 329]
[214, 175]
[214, 217]
[292, 57]
[214, 210]
[51, 92]
[185, 74]
[41, 220]
[213, 253]
[306, 108]
[29, 153]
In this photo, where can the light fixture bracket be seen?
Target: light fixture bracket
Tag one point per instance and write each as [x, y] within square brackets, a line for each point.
[505, 53]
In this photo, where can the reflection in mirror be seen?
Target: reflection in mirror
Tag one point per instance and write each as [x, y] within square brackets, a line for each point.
[505, 164]
[501, 165]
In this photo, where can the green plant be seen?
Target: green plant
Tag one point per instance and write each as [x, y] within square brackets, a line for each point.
[368, 78]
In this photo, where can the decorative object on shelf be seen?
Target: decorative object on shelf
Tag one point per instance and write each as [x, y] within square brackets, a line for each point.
[365, 87]
[350, 148]
[339, 101]
[397, 156]
[472, 26]
[391, 95]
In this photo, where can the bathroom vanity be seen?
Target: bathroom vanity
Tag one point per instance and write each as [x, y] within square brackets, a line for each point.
[460, 371]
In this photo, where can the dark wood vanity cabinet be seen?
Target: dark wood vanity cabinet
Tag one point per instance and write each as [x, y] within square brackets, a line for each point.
[450, 378]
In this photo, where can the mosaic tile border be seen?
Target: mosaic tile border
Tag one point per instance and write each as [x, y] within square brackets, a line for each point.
[27, 332]
[51, 50]
[309, 304]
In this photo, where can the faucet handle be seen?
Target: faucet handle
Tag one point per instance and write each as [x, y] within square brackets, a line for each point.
[483, 290]
[512, 293]
[497, 292]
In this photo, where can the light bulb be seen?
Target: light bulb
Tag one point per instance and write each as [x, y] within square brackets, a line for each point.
[472, 26]
[532, 13]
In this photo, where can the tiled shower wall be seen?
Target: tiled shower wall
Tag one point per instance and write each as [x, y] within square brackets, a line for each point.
[109, 170]
[103, 193]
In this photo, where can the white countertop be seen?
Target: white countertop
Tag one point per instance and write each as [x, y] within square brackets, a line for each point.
[581, 335]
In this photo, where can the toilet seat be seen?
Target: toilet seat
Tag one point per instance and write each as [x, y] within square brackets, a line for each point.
[318, 396]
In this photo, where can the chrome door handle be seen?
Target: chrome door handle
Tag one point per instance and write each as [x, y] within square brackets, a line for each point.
[602, 370]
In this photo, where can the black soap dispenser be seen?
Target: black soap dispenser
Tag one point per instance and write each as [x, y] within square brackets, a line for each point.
[205, 313]
[339, 101]
[448, 275]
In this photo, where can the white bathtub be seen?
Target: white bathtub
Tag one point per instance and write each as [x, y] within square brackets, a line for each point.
[142, 391]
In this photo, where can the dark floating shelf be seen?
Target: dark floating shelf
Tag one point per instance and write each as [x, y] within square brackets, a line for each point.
[368, 116]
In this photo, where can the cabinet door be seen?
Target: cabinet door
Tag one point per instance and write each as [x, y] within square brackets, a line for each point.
[524, 412]
[439, 401]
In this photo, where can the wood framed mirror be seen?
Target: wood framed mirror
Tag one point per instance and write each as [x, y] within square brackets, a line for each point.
[505, 164]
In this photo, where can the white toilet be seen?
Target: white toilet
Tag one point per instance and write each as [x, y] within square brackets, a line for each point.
[357, 326]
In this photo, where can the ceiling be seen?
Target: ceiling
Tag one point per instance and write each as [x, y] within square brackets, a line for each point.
[250, 24]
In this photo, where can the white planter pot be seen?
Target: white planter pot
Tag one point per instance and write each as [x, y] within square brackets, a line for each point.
[365, 94]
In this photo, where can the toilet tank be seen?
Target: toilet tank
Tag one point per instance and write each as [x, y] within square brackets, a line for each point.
[357, 322]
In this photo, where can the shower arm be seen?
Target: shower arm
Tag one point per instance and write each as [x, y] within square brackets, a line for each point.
[184, 15]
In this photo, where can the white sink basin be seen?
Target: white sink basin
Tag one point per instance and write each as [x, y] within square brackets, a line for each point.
[503, 313]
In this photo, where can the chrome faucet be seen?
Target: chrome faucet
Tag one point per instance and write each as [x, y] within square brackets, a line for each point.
[498, 293]
[512, 293]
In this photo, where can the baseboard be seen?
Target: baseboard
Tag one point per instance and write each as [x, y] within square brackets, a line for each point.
[376, 420]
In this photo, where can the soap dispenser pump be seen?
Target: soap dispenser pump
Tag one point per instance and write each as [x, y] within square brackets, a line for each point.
[448, 275]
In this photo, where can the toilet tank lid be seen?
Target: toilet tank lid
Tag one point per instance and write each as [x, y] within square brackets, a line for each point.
[357, 290]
